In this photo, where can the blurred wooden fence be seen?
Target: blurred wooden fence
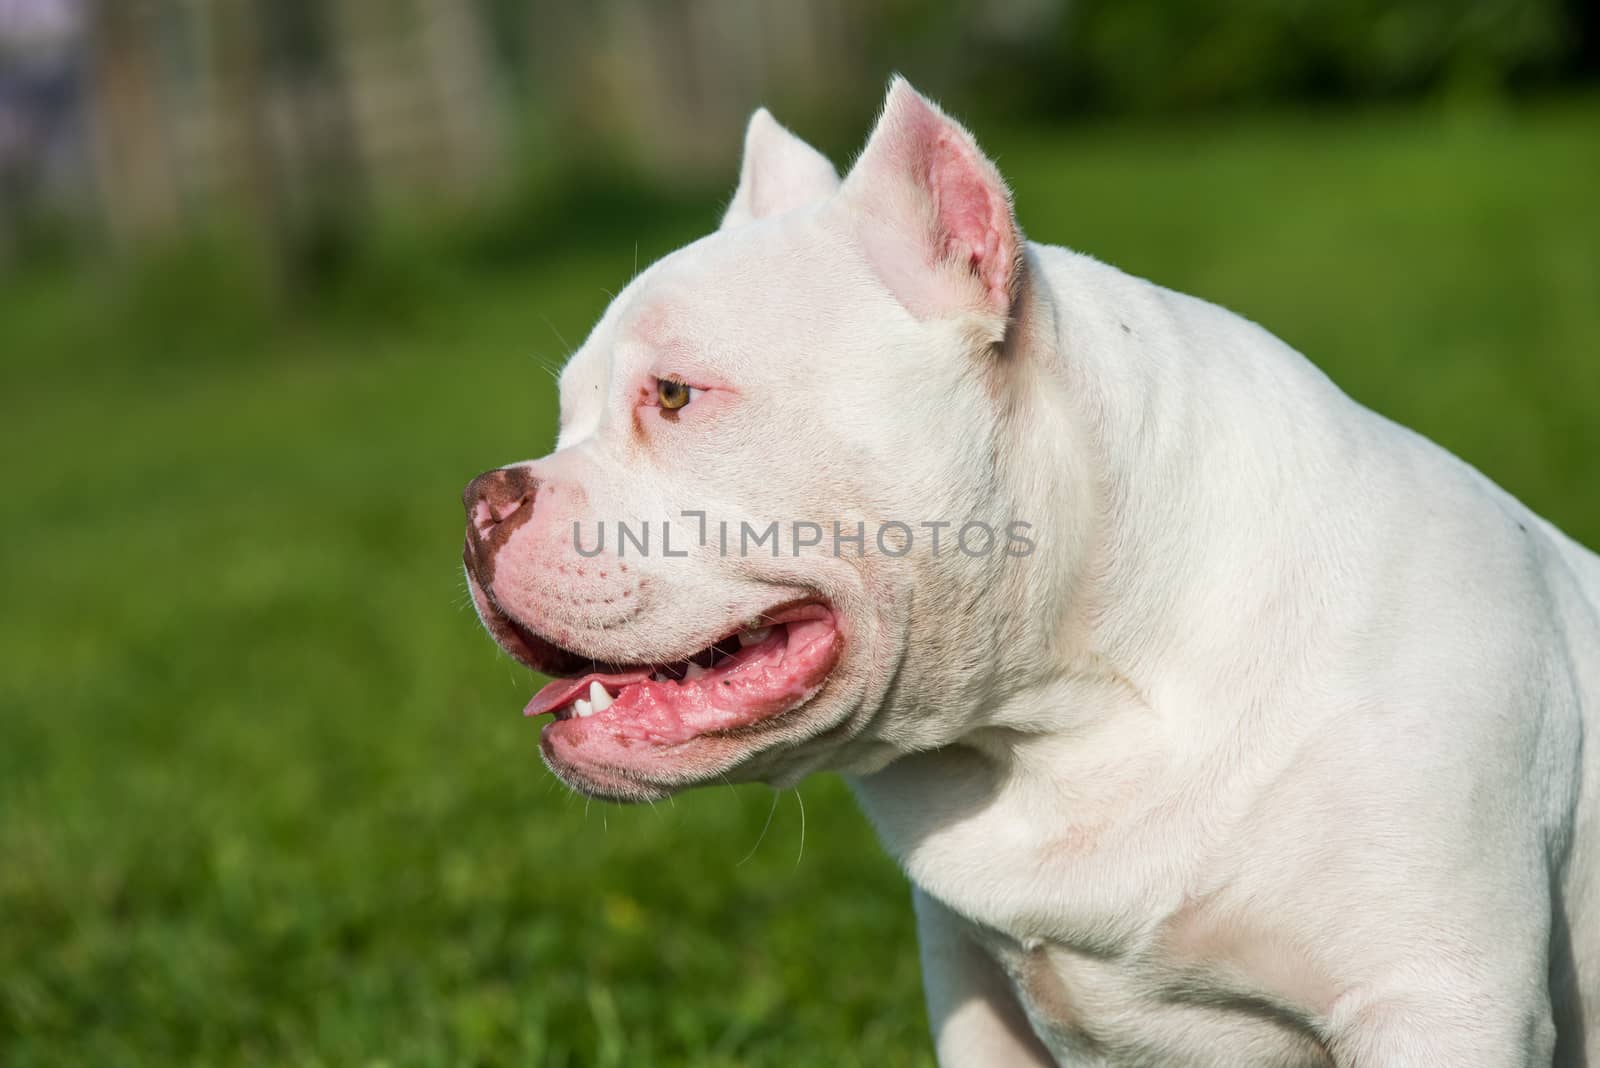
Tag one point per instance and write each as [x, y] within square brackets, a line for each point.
[285, 112]
[305, 118]
[302, 117]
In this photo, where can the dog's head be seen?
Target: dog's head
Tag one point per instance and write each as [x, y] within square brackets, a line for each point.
[779, 532]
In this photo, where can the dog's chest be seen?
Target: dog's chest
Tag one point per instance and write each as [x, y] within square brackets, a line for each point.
[1089, 914]
[1117, 966]
[1147, 1009]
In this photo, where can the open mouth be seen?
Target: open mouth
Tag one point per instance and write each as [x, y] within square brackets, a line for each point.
[746, 677]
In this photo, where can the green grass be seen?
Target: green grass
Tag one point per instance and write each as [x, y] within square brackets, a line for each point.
[265, 795]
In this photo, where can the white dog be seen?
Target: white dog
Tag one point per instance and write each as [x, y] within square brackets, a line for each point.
[1230, 724]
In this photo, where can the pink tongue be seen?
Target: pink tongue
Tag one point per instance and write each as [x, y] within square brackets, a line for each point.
[559, 692]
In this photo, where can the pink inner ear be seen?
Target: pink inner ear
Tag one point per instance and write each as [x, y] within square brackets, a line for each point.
[973, 217]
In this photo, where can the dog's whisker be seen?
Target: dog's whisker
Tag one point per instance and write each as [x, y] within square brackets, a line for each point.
[556, 332]
[802, 854]
[549, 367]
[764, 827]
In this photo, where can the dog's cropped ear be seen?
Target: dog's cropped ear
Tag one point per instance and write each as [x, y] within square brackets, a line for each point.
[780, 173]
[934, 215]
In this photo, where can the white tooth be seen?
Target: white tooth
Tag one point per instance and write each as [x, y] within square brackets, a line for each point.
[599, 697]
[656, 676]
[581, 707]
[694, 672]
[754, 637]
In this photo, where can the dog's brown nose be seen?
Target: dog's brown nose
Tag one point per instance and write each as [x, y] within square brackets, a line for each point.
[496, 496]
[497, 503]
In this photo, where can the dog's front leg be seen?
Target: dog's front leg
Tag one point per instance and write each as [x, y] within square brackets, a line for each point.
[975, 1017]
[1460, 1028]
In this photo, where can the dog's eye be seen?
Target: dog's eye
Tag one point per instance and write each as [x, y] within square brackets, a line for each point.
[674, 394]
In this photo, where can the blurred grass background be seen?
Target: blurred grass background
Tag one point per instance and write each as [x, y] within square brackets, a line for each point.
[265, 794]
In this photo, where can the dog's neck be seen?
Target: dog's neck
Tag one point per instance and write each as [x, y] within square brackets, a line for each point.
[1190, 437]
[1154, 437]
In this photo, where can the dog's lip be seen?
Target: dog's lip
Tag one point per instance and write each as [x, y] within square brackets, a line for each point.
[779, 672]
[533, 650]
[525, 645]
[563, 688]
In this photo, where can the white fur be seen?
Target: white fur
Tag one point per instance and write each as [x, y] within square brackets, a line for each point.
[1273, 752]
[780, 173]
